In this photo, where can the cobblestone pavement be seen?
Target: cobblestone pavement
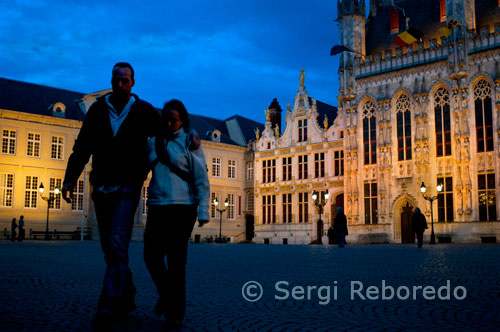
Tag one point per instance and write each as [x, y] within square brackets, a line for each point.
[53, 286]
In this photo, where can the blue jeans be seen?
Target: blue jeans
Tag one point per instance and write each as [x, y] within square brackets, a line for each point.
[115, 213]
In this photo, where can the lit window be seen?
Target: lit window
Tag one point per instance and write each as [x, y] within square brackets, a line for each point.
[442, 125]
[403, 118]
[445, 199]
[6, 189]
[8, 141]
[231, 169]
[369, 134]
[31, 192]
[216, 165]
[55, 200]
[484, 116]
[487, 197]
[33, 145]
[371, 209]
[57, 147]
[77, 201]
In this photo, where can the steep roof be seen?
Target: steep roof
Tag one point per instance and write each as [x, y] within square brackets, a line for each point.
[38, 99]
[325, 109]
[205, 125]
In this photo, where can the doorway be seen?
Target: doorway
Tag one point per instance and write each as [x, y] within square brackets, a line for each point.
[249, 229]
[407, 234]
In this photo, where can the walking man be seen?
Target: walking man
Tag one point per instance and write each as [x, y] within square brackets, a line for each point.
[115, 133]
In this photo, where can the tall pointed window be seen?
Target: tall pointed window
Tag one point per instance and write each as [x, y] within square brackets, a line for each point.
[394, 20]
[369, 134]
[442, 10]
[445, 199]
[443, 123]
[484, 116]
[487, 197]
[403, 118]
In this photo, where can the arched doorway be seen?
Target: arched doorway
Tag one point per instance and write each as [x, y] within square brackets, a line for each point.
[249, 229]
[339, 202]
[407, 235]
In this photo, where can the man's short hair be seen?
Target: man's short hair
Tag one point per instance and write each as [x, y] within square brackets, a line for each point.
[123, 65]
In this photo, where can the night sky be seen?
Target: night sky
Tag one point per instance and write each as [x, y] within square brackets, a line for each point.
[220, 58]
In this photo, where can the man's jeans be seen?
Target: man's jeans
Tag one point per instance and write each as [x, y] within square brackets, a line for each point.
[115, 213]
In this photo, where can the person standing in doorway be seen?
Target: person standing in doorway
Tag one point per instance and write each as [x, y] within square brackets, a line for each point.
[419, 225]
[340, 227]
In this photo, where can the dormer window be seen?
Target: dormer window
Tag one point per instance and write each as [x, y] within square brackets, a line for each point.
[58, 109]
[442, 10]
[394, 20]
[214, 135]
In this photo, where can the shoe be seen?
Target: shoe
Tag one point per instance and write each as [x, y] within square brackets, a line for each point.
[103, 321]
[160, 307]
[172, 325]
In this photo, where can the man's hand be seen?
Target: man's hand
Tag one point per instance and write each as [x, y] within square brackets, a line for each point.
[68, 188]
[202, 222]
[194, 140]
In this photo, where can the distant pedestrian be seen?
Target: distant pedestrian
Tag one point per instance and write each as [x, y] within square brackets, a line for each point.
[419, 225]
[340, 227]
[22, 232]
[331, 235]
[13, 227]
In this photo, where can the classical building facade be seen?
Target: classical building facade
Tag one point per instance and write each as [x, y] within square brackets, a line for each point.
[425, 113]
[39, 125]
[289, 167]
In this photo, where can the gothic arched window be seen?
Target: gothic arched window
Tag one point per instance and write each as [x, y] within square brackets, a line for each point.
[403, 118]
[484, 116]
[394, 20]
[369, 133]
[442, 10]
[443, 122]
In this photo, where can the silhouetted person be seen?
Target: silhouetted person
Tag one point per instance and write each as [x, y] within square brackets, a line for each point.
[13, 232]
[179, 192]
[340, 227]
[21, 235]
[419, 225]
[114, 133]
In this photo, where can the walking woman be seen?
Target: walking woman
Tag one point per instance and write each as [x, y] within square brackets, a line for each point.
[179, 192]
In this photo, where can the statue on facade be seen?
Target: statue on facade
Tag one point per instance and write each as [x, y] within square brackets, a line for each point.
[302, 77]
[257, 133]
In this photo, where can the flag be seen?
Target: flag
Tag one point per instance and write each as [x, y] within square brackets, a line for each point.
[337, 49]
[446, 30]
[408, 37]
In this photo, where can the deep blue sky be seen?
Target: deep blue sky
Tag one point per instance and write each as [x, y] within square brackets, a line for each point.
[221, 57]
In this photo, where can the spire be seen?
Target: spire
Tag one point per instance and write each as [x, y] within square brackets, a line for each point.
[274, 113]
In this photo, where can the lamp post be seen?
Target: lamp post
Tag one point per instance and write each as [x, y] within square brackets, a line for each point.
[431, 199]
[49, 199]
[319, 202]
[216, 203]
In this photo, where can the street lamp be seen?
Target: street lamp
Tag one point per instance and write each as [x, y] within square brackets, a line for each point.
[49, 199]
[216, 203]
[431, 199]
[319, 202]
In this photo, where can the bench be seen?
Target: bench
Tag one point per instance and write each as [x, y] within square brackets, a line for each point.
[6, 234]
[35, 234]
[73, 235]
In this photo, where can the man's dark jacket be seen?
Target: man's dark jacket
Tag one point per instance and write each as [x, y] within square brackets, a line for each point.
[116, 160]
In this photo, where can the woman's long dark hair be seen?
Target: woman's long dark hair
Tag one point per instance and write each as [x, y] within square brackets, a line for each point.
[177, 105]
